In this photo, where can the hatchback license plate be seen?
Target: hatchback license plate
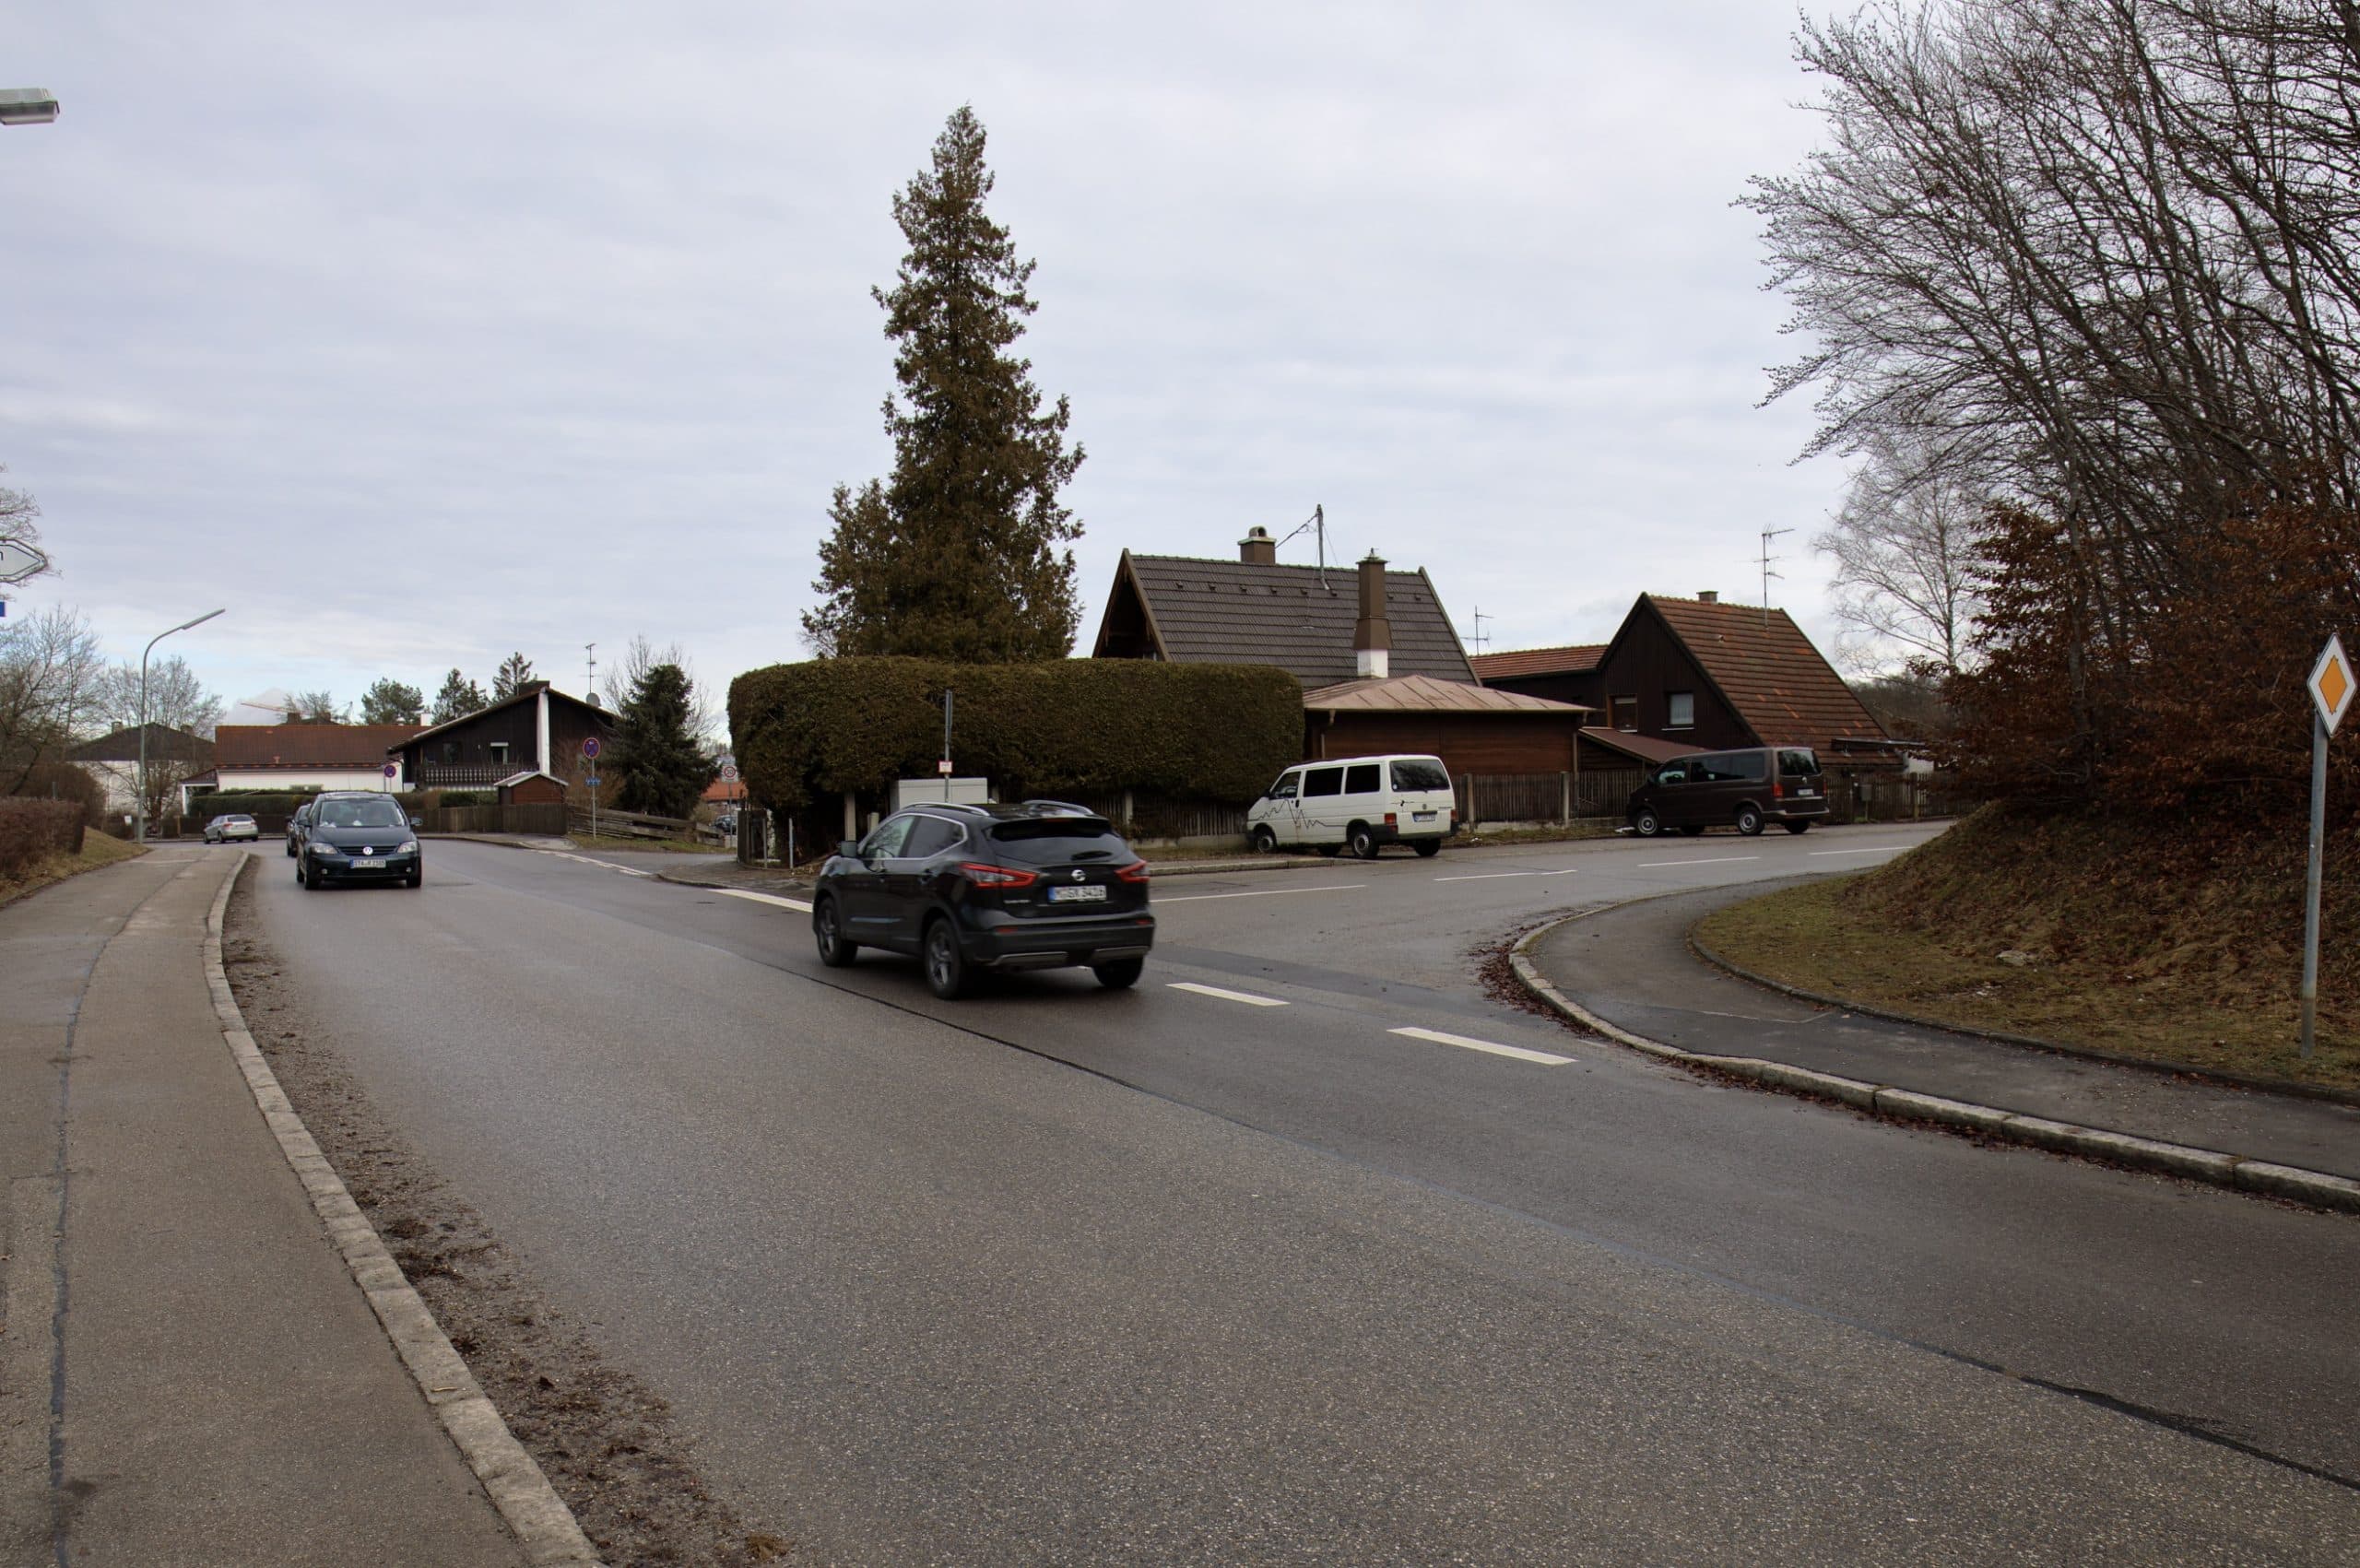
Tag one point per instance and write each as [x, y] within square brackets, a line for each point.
[368, 865]
[1088, 892]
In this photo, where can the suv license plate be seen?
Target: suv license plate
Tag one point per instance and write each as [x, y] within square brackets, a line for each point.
[369, 866]
[1805, 794]
[1088, 892]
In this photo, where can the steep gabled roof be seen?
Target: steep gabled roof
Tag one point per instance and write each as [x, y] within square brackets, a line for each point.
[1579, 658]
[1230, 612]
[1768, 671]
[1425, 694]
[524, 693]
[243, 748]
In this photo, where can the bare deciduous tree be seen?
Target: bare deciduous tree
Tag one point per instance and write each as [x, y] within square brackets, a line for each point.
[1908, 577]
[628, 674]
[51, 673]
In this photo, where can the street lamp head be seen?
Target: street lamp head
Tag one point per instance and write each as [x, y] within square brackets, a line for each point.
[26, 106]
[200, 620]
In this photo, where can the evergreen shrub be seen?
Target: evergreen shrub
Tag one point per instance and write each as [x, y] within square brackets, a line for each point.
[808, 731]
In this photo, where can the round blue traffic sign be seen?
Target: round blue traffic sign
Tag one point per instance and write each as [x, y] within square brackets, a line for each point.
[590, 746]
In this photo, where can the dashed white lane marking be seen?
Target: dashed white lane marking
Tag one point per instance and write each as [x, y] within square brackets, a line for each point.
[1716, 860]
[1266, 894]
[1251, 1001]
[762, 898]
[1519, 1051]
[602, 865]
[1872, 849]
[1493, 876]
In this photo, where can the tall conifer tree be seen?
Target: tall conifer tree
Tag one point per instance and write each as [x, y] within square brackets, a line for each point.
[657, 764]
[956, 555]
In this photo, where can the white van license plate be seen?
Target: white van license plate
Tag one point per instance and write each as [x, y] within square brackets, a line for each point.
[1089, 892]
[1421, 816]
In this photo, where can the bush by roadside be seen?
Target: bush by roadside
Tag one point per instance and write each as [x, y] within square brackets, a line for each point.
[56, 864]
[33, 831]
[2171, 940]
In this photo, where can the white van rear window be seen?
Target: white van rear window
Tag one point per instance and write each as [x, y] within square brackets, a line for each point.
[1419, 772]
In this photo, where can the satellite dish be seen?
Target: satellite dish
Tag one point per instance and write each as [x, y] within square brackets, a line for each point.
[19, 561]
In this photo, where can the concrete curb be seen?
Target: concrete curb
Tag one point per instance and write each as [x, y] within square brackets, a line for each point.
[543, 1524]
[2160, 1065]
[2236, 1171]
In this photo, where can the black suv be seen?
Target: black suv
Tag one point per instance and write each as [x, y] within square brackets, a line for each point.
[359, 837]
[1042, 885]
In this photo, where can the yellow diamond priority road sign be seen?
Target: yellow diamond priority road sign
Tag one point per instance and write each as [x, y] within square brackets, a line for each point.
[2332, 684]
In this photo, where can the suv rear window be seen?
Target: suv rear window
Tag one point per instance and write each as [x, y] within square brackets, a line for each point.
[1050, 841]
[1419, 773]
[1799, 764]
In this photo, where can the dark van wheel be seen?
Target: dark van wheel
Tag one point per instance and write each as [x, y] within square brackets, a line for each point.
[1799, 827]
[1363, 842]
[1748, 819]
[1265, 842]
[1646, 823]
[1120, 974]
[946, 966]
[1429, 848]
[827, 931]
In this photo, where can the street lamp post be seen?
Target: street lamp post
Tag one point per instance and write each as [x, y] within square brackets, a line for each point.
[139, 807]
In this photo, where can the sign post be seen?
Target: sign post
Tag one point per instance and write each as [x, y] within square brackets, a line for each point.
[590, 753]
[2332, 685]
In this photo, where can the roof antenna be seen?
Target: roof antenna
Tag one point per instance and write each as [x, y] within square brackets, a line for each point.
[1319, 521]
[1478, 639]
[592, 650]
[1768, 535]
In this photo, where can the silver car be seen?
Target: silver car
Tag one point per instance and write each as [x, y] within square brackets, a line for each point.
[237, 825]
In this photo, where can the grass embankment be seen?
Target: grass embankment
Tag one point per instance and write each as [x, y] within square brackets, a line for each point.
[662, 846]
[98, 850]
[2173, 941]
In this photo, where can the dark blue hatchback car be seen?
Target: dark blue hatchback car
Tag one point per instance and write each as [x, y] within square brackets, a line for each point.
[1042, 885]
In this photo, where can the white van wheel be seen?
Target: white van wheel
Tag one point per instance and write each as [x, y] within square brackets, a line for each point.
[1263, 841]
[1363, 842]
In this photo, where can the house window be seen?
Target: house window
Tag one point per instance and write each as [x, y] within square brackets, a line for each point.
[499, 752]
[1680, 710]
[1622, 713]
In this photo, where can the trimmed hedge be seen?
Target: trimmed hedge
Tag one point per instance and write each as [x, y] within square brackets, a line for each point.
[829, 726]
[33, 831]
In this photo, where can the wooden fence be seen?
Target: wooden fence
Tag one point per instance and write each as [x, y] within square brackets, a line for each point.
[1543, 797]
[547, 820]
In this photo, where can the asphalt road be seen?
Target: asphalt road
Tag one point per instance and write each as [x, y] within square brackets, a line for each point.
[1271, 1281]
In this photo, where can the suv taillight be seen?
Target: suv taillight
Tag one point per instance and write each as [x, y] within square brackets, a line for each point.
[997, 876]
[1778, 790]
[1135, 871]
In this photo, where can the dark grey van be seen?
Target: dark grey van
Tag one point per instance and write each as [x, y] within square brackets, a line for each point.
[1736, 789]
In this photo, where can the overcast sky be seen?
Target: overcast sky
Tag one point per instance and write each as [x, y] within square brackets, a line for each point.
[414, 335]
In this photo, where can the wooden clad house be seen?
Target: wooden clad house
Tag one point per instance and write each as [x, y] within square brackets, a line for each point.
[538, 730]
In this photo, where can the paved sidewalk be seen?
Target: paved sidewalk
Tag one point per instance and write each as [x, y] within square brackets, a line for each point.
[188, 1373]
[1632, 967]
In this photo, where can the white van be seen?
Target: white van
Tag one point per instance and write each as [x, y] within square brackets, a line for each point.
[1361, 802]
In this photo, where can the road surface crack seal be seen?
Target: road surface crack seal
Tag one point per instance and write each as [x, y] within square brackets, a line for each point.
[538, 1517]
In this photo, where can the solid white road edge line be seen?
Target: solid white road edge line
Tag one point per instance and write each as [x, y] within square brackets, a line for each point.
[1877, 849]
[1251, 1001]
[759, 898]
[1716, 860]
[1519, 1051]
[1266, 892]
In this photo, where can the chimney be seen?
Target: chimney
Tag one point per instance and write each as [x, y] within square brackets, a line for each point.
[1709, 597]
[1258, 549]
[1372, 633]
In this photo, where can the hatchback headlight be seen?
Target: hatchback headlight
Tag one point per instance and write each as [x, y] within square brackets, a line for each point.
[409, 846]
[319, 848]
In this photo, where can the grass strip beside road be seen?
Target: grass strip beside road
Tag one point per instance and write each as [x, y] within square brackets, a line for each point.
[98, 849]
[666, 846]
[1821, 938]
